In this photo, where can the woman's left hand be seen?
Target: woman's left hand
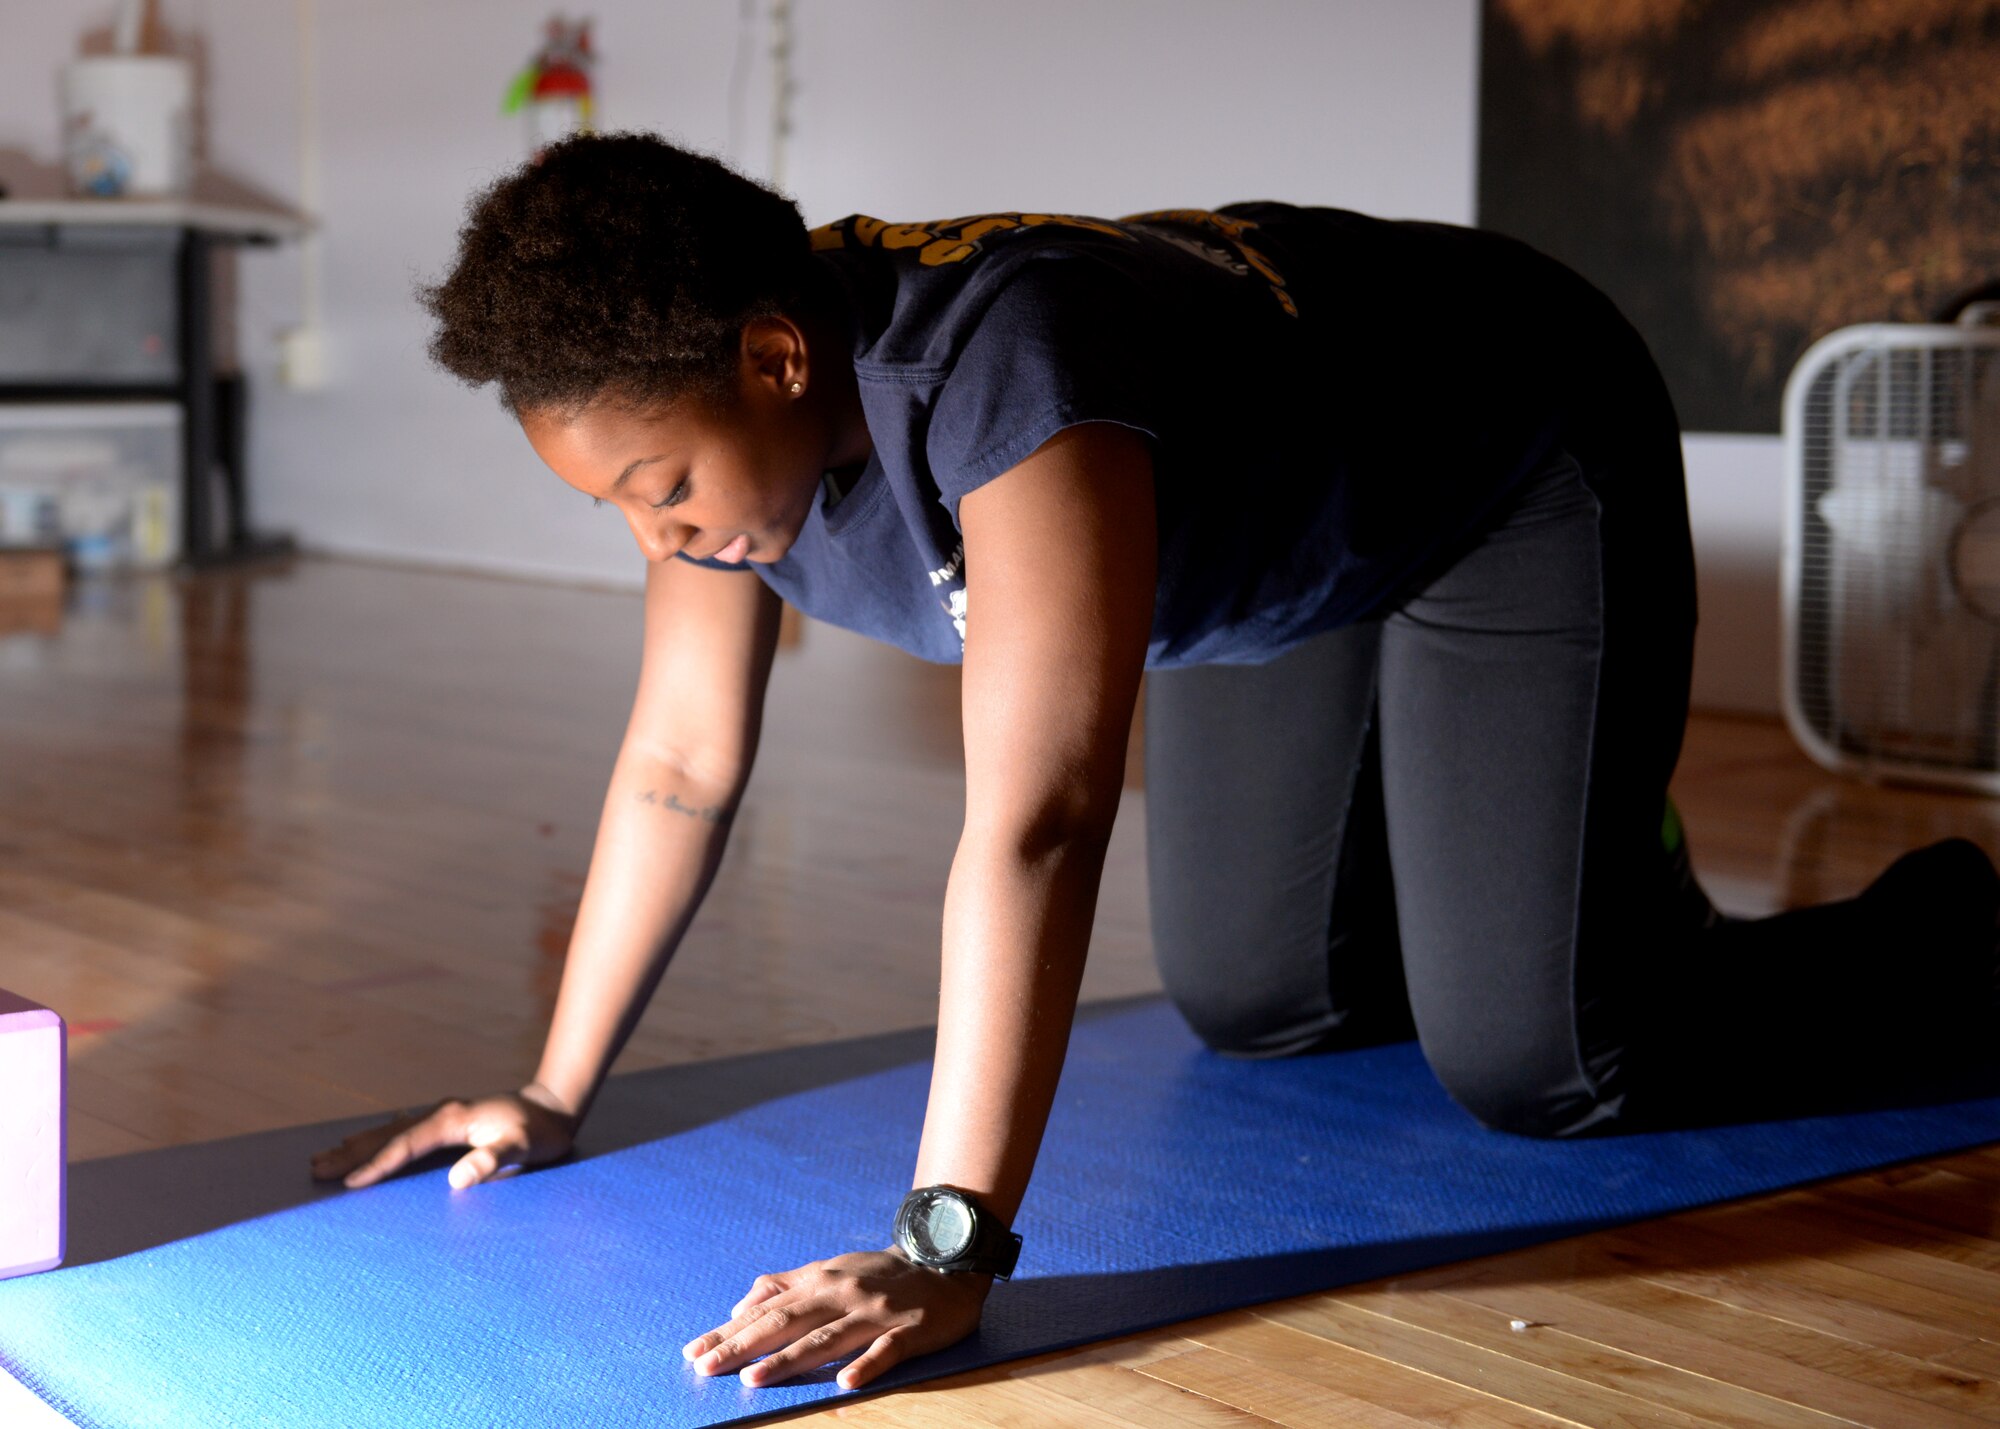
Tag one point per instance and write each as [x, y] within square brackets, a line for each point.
[873, 1301]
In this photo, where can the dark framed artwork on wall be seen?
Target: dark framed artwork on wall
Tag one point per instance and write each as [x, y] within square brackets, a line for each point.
[1744, 177]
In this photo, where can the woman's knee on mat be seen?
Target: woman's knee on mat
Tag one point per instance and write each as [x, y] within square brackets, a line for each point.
[1262, 1032]
[1542, 1093]
[1240, 1015]
[1235, 1014]
[1237, 967]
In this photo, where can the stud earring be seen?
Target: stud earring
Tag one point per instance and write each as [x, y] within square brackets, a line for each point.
[798, 389]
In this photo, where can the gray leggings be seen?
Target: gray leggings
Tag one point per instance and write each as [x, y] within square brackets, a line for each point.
[1452, 820]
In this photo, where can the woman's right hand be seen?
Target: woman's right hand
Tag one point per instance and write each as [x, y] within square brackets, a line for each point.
[504, 1132]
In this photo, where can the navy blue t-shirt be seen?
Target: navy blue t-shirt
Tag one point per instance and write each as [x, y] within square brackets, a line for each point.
[1331, 401]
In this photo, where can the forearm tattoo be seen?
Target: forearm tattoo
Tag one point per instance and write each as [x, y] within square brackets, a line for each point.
[713, 814]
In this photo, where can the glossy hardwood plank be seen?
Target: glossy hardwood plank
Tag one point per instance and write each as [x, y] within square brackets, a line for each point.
[1279, 1396]
[1584, 1382]
[1263, 1340]
[303, 841]
[1806, 1231]
[1633, 1271]
[1832, 1293]
[1814, 1346]
[1595, 1383]
[1709, 1352]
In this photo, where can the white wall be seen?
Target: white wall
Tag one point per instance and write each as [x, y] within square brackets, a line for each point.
[906, 108]
[1736, 505]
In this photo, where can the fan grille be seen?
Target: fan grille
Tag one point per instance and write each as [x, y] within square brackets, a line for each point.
[1895, 615]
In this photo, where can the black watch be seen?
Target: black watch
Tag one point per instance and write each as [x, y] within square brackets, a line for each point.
[945, 1229]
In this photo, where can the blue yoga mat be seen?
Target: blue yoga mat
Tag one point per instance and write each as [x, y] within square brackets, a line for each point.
[1173, 1183]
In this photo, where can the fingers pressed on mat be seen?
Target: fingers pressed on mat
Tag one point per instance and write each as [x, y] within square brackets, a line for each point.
[883, 1355]
[473, 1168]
[356, 1150]
[443, 1127]
[822, 1346]
[761, 1289]
[350, 1151]
[495, 1149]
[393, 1154]
[761, 1330]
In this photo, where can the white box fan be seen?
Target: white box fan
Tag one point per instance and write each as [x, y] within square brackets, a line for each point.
[1892, 551]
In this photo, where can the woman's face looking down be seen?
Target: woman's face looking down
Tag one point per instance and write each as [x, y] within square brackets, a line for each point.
[732, 481]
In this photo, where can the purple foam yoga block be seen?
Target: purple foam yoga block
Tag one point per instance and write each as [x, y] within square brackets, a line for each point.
[31, 1136]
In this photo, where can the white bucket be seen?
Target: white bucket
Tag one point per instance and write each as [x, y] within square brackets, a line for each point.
[128, 126]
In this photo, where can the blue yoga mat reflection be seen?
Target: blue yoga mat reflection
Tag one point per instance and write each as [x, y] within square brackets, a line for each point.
[1173, 1183]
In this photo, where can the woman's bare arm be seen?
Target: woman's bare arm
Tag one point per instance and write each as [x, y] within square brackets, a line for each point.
[1060, 577]
[1060, 567]
[686, 756]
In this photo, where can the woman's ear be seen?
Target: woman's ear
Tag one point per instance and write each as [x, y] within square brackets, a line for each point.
[774, 353]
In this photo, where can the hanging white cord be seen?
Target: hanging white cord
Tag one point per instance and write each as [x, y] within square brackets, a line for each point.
[739, 75]
[309, 175]
[782, 88]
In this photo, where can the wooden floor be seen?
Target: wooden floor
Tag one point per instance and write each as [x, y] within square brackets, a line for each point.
[296, 843]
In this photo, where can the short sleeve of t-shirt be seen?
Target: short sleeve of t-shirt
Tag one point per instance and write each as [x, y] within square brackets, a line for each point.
[1066, 340]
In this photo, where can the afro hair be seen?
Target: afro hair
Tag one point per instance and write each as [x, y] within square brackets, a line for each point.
[614, 267]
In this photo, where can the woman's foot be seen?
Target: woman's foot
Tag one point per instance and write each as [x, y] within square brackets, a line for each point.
[1946, 894]
[1950, 873]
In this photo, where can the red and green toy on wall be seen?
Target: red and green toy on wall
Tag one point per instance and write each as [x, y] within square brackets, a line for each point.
[554, 90]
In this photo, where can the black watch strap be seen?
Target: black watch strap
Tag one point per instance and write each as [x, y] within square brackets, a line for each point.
[993, 1251]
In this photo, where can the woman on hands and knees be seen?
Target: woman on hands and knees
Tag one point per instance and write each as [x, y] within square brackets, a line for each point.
[1418, 617]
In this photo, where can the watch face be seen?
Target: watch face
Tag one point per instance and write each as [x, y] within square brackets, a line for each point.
[941, 1227]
